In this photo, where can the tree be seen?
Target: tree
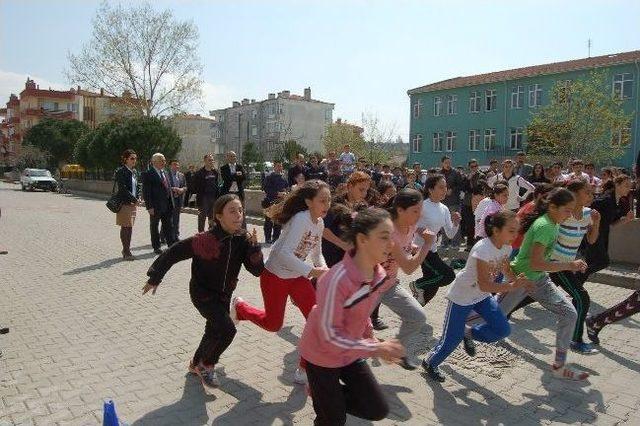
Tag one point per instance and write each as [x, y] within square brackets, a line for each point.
[289, 149]
[579, 122]
[32, 157]
[143, 52]
[250, 154]
[375, 133]
[340, 134]
[101, 148]
[57, 138]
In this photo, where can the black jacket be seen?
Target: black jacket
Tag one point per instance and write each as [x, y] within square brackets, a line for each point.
[199, 185]
[155, 194]
[227, 178]
[122, 177]
[216, 261]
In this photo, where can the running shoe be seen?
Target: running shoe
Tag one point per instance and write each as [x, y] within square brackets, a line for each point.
[417, 293]
[233, 313]
[583, 348]
[592, 333]
[569, 372]
[378, 324]
[433, 373]
[469, 346]
[300, 377]
[207, 375]
[406, 364]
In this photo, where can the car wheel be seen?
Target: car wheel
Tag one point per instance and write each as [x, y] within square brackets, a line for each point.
[22, 187]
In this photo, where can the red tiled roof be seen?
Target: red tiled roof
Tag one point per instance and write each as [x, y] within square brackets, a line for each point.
[48, 93]
[553, 68]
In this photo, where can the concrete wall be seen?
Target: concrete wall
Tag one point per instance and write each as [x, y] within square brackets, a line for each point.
[624, 243]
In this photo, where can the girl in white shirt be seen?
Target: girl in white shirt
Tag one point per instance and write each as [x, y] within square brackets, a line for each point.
[436, 217]
[496, 202]
[286, 273]
[472, 289]
[514, 182]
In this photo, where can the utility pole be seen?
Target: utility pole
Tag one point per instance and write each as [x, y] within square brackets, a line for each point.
[589, 47]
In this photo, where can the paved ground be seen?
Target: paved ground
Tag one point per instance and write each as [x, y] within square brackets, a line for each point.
[81, 331]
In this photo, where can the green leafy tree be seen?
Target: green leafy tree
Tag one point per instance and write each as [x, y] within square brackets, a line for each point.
[579, 122]
[250, 154]
[57, 138]
[32, 157]
[101, 149]
[340, 134]
[289, 149]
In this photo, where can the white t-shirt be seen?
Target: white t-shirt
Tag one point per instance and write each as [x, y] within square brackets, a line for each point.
[465, 290]
[300, 238]
[347, 159]
[436, 217]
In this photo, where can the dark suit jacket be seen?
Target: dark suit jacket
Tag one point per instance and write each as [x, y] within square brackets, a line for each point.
[199, 183]
[227, 178]
[122, 177]
[155, 194]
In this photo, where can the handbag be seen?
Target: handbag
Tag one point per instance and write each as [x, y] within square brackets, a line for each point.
[115, 203]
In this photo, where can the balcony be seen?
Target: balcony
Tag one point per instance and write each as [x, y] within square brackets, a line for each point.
[41, 112]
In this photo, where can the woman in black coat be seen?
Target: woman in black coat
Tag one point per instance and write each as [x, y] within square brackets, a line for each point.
[126, 178]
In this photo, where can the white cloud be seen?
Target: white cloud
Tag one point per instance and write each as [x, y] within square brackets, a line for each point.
[216, 96]
[13, 82]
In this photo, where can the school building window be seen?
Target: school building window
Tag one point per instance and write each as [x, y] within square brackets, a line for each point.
[417, 143]
[474, 140]
[474, 102]
[623, 85]
[437, 142]
[517, 97]
[516, 138]
[535, 95]
[489, 139]
[491, 100]
[451, 141]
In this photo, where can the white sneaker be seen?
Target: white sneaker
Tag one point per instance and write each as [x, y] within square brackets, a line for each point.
[569, 372]
[232, 310]
[300, 377]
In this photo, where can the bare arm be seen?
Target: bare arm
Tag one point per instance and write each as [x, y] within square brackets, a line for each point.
[328, 235]
[486, 279]
[594, 229]
[538, 262]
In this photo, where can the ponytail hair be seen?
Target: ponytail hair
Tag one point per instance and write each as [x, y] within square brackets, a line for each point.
[404, 199]
[431, 182]
[557, 197]
[362, 222]
[497, 221]
[296, 201]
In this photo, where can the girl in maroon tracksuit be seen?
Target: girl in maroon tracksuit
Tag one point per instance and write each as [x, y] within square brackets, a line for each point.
[217, 256]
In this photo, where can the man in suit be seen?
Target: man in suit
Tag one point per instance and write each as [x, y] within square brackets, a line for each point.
[205, 186]
[158, 199]
[232, 176]
[178, 184]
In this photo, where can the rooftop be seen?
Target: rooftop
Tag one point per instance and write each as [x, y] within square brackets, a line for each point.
[553, 68]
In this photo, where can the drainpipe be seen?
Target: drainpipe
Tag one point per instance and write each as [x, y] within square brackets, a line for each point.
[504, 146]
[636, 114]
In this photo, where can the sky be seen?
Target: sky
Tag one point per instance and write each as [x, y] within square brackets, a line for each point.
[361, 55]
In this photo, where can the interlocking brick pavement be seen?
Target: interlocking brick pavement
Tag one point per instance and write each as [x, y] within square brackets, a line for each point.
[81, 331]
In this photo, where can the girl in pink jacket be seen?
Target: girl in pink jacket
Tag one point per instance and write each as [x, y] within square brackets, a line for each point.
[338, 333]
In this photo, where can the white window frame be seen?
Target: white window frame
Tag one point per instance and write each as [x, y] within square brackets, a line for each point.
[417, 143]
[450, 145]
[417, 108]
[490, 137]
[517, 97]
[452, 104]
[474, 102]
[254, 114]
[516, 134]
[622, 80]
[437, 142]
[437, 106]
[535, 95]
[490, 94]
[254, 130]
[474, 140]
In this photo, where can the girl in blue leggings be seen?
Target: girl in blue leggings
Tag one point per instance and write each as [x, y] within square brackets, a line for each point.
[471, 290]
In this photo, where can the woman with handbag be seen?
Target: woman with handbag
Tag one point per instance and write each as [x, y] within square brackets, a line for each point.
[126, 177]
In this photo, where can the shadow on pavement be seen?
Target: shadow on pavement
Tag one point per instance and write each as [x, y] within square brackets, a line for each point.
[190, 410]
[106, 264]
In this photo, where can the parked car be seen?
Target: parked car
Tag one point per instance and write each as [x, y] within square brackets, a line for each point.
[32, 179]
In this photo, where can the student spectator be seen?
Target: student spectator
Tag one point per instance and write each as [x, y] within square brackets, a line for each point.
[514, 182]
[314, 171]
[296, 168]
[538, 175]
[595, 181]
[473, 183]
[522, 168]
[275, 187]
[347, 160]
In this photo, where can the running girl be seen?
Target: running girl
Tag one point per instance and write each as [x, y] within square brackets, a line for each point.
[217, 256]
[338, 335]
[436, 217]
[471, 290]
[286, 273]
[497, 201]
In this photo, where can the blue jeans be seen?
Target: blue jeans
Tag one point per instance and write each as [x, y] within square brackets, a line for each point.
[495, 328]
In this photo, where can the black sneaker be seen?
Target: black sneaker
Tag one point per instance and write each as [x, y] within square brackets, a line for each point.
[378, 324]
[592, 333]
[406, 364]
[433, 373]
[469, 346]
[4, 330]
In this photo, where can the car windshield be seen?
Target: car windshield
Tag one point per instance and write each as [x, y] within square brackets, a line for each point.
[39, 173]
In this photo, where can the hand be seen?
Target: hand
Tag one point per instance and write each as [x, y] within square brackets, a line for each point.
[253, 238]
[317, 272]
[151, 212]
[148, 287]
[456, 218]
[578, 266]
[595, 216]
[449, 192]
[282, 194]
[521, 281]
[427, 235]
[629, 217]
[390, 351]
